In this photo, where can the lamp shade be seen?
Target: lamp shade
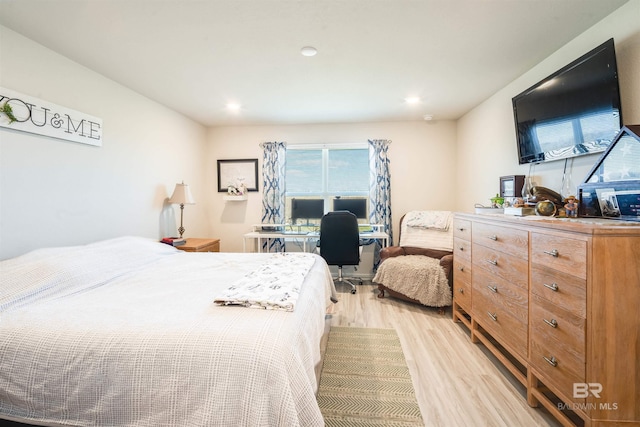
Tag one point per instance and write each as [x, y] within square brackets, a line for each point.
[182, 195]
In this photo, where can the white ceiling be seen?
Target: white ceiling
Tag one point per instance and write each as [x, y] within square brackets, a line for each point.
[195, 56]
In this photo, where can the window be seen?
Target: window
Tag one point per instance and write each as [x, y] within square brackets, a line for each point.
[324, 173]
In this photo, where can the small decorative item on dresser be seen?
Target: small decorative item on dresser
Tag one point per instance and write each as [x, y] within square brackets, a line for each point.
[511, 186]
[571, 207]
[200, 245]
[545, 208]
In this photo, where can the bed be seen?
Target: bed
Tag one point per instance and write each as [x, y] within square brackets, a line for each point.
[125, 332]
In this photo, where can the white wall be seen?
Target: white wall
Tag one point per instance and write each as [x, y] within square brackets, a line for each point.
[55, 193]
[422, 166]
[486, 135]
[58, 193]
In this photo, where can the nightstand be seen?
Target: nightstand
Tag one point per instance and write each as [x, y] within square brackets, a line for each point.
[200, 245]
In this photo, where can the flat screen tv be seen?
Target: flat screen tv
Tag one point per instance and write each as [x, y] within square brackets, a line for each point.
[357, 206]
[573, 112]
[307, 209]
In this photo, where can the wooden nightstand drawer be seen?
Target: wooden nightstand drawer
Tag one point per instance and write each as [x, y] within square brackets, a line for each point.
[462, 229]
[200, 245]
[504, 239]
[560, 253]
[511, 268]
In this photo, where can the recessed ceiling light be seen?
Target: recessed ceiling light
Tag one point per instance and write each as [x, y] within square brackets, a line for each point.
[428, 117]
[233, 106]
[308, 51]
[412, 99]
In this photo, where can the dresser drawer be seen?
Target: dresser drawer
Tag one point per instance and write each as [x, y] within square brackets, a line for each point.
[560, 253]
[462, 282]
[503, 239]
[462, 229]
[554, 369]
[562, 332]
[501, 293]
[510, 268]
[560, 289]
[500, 323]
[462, 248]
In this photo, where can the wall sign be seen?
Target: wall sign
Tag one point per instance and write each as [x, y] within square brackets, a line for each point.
[28, 114]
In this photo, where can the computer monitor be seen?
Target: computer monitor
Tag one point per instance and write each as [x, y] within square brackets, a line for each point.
[307, 209]
[357, 206]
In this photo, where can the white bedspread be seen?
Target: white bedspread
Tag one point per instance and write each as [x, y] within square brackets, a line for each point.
[125, 333]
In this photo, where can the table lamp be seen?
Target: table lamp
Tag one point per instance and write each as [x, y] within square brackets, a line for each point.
[182, 196]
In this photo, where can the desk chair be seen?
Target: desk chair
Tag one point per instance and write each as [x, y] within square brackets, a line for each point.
[340, 242]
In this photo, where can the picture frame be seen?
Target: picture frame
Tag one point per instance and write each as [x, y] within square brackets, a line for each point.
[511, 186]
[233, 172]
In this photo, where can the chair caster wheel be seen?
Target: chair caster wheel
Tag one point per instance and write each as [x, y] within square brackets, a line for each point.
[353, 291]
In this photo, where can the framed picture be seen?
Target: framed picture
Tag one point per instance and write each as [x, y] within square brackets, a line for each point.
[511, 186]
[236, 172]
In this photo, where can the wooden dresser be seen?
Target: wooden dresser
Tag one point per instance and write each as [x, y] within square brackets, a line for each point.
[557, 301]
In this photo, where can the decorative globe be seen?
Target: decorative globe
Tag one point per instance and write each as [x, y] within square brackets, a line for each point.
[545, 208]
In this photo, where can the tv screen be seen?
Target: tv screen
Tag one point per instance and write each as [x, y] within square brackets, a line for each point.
[307, 209]
[573, 112]
[358, 206]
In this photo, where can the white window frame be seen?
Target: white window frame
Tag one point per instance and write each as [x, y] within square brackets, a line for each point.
[325, 175]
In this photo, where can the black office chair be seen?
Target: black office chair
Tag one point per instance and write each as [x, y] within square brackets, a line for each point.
[340, 242]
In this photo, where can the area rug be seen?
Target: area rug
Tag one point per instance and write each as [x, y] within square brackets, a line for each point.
[365, 380]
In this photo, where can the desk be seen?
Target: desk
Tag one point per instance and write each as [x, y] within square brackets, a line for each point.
[305, 236]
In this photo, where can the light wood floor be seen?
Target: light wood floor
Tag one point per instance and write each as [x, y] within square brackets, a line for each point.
[457, 383]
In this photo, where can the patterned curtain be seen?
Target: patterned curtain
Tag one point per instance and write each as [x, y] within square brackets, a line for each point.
[380, 190]
[273, 190]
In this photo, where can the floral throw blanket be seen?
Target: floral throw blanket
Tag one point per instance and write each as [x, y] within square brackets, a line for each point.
[436, 220]
[274, 285]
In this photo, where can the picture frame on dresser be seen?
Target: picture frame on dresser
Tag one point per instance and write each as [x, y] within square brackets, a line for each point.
[511, 186]
[233, 172]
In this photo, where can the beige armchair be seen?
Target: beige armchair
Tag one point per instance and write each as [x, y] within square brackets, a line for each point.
[425, 276]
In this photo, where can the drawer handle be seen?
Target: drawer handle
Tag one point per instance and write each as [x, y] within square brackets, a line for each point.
[494, 237]
[553, 361]
[462, 248]
[553, 253]
[492, 262]
[461, 290]
[553, 287]
[493, 289]
[493, 316]
[461, 268]
[461, 229]
[553, 322]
